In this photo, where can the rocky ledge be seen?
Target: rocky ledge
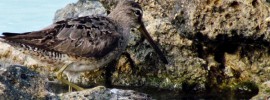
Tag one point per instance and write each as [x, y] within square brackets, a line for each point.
[18, 82]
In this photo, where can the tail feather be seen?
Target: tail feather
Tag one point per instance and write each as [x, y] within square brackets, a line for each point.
[9, 34]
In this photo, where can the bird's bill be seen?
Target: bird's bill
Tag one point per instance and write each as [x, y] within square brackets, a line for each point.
[144, 32]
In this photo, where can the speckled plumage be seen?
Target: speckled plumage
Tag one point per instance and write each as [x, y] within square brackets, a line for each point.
[83, 43]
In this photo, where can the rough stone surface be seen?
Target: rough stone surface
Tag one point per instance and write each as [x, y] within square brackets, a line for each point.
[142, 67]
[79, 9]
[231, 37]
[212, 46]
[101, 93]
[20, 83]
[264, 92]
[17, 82]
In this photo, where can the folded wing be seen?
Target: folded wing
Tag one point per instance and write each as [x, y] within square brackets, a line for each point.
[83, 36]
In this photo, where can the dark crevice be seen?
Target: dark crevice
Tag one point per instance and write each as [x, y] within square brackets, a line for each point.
[200, 50]
[223, 44]
[234, 4]
[218, 10]
[188, 88]
[131, 62]
[246, 94]
[255, 3]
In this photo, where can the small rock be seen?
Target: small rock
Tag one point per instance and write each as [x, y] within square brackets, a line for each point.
[18, 82]
[102, 93]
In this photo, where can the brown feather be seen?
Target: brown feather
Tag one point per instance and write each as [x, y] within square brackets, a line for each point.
[75, 34]
[63, 33]
[73, 38]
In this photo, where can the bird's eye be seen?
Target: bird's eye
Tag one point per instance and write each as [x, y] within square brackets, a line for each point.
[137, 12]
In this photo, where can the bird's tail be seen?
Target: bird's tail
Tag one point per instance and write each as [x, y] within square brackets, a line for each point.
[9, 34]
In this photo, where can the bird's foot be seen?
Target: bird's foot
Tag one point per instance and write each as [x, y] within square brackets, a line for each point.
[71, 85]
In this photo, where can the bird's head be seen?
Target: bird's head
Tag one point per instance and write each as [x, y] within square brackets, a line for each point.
[129, 14]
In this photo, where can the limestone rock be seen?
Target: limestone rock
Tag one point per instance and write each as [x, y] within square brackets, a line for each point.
[142, 67]
[229, 37]
[18, 82]
[264, 92]
[211, 45]
[101, 93]
[81, 8]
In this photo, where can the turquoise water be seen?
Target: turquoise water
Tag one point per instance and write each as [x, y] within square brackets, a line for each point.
[28, 15]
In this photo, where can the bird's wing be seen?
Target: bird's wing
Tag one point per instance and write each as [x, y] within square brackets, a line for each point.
[84, 36]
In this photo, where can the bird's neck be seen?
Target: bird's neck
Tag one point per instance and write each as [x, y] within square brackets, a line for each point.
[122, 21]
[125, 32]
[119, 17]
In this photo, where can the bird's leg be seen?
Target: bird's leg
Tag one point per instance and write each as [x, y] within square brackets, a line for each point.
[109, 69]
[69, 88]
[71, 85]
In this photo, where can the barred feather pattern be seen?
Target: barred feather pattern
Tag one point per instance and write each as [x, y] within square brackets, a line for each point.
[89, 36]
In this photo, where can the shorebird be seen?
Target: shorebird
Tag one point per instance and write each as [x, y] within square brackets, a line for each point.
[79, 44]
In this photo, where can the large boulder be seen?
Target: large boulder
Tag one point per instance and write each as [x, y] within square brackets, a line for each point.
[215, 44]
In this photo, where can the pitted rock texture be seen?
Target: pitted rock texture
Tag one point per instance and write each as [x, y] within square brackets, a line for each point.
[79, 9]
[17, 82]
[141, 66]
[211, 45]
[20, 83]
[230, 36]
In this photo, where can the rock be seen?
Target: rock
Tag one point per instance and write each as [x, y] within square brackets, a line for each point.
[185, 65]
[211, 45]
[148, 70]
[218, 44]
[264, 92]
[233, 32]
[81, 8]
[18, 82]
[102, 93]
